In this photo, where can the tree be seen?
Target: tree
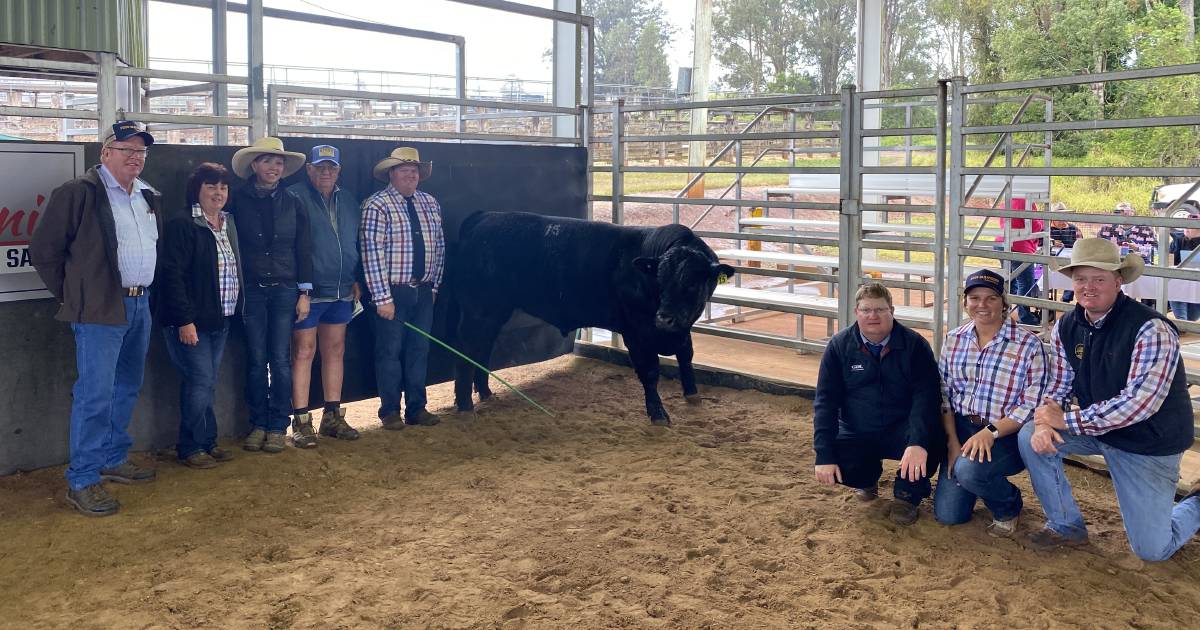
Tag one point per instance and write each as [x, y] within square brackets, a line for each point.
[651, 68]
[827, 40]
[908, 45]
[620, 43]
[756, 40]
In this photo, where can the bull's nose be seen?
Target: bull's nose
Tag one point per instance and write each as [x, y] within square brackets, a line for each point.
[665, 321]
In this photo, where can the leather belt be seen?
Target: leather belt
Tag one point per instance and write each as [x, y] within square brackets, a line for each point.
[414, 285]
[134, 291]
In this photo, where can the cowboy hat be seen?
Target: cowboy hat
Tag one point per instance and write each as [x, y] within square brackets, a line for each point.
[1103, 254]
[292, 161]
[402, 155]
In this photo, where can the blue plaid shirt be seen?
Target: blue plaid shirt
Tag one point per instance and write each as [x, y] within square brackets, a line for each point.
[227, 274]
[137, 230]
[1005, 379]
[386, 242]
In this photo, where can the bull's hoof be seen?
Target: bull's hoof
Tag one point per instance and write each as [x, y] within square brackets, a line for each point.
[485, 395]
[692, 399]
[466, 407]
[660, 422]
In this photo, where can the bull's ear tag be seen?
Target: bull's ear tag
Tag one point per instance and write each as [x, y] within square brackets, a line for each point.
[722, 279]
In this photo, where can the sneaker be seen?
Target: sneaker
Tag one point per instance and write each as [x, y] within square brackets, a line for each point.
[274, 443]
[199, 459]
[866, 494]
[1003, 529]
[93, 500]
[254, 441]
[302, 431]
[423, 419]
[219, 454]
[127, 473]
[392, 422]
[334, 425]
[904, 513]
[1047, 539]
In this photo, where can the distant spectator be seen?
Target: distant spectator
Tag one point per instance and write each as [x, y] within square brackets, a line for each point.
[1135, 238]
[1188, 240]
[1023, 282]
[1064, 234]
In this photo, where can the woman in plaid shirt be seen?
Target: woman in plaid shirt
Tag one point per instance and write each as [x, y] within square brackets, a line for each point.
[993, 376]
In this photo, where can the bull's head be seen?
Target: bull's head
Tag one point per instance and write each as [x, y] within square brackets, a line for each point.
[686, 278]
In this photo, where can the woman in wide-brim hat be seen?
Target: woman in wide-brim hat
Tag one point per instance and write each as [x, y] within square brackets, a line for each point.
[245, 156]
[399, 156]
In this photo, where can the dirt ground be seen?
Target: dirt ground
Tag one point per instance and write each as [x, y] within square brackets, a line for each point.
[591, 519]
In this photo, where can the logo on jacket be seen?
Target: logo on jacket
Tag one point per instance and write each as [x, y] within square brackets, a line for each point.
[856, 367]
[1079, 351]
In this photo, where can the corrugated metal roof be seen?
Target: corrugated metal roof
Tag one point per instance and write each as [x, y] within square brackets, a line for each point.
[109, 25]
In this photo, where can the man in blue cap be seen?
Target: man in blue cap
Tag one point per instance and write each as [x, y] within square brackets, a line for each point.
[333, 218]
[95, 247]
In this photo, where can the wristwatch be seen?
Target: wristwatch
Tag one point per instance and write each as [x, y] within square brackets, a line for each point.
[991, 428]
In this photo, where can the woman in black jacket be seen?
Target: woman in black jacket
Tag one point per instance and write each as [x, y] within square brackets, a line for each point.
[198, 291]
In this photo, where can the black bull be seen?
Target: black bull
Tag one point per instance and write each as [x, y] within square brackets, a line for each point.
[648, 284]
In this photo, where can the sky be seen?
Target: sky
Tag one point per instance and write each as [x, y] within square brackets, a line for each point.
[498, 45]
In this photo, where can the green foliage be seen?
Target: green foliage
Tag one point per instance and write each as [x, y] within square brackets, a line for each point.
[632, 37]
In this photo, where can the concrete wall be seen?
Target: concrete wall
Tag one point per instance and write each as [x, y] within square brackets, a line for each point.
[38, 370]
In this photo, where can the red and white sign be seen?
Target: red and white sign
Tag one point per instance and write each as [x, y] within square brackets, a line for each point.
[28, 173]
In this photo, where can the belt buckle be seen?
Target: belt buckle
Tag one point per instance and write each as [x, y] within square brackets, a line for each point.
[135, 291]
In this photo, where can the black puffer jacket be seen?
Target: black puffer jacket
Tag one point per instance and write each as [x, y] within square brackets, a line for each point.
[276, 243]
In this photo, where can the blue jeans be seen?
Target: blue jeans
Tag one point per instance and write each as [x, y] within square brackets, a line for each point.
[268, 317]
[954, 500]
[198, 366]
[1157, 527]
[110, 360]
[402, 356]
[1185, 310]
[1023, 284]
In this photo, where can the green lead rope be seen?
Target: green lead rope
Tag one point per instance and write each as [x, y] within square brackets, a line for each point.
[489, 372]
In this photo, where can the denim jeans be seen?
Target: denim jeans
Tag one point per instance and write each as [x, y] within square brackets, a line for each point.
[1189, 311]
[111, 361]
[859, 459]
[198, 366]
[1157, 527]
[1023, 284]
[402, 356]
[954, 500]
[268, 317]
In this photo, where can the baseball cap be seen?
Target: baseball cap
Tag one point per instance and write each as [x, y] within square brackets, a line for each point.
[985, 278]
[325, 153]
[126, 129]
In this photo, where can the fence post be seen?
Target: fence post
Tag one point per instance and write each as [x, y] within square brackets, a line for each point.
[954, 269]
[617, 160]
[106, 94]
[939, 217]
[849, 216]
[254, 71]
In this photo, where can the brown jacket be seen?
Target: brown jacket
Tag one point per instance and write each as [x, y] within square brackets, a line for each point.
[74, 249]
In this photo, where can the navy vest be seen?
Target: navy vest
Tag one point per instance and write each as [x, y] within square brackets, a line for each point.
[1101, 358]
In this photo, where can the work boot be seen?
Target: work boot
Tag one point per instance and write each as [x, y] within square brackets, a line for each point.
[200, 460]
[274, 442]
[219, 454]
[93, 500]
[254, 441]
[302, 431]
[422, 418]
[904, 513]
[392, 422]
[127, 473]
[334, 425]
[1047, 539]
[866, 494]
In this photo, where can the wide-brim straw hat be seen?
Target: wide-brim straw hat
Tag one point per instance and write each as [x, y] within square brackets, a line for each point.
[292, 161]
[402, 155]
[1104, 254]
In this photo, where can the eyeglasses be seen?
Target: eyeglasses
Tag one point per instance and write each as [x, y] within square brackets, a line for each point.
[873, 311]
[325, 167]
[138, 153]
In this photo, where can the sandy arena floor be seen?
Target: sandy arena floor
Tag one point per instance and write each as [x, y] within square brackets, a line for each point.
[592, 519]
